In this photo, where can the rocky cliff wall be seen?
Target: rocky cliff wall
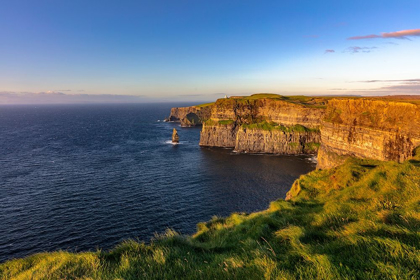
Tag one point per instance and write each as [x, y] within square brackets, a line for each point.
[382, 129]
[277, 141]
[266, 109]
[190, 116]
[229, 118]
[215, 134]
[376, 129]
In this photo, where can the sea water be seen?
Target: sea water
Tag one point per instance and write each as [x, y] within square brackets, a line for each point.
[82, 177]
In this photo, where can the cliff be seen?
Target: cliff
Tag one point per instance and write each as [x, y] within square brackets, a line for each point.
[265, 124]
[368, 128]
[190, 116]
[381, 128]
[276, 141]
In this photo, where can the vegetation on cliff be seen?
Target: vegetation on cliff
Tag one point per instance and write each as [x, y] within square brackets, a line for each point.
[206, 105]
[307, 101]
[360, 220]
[275, 126]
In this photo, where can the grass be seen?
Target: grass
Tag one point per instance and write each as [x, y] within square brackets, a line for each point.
[206, 104]
[360, 220]
[307, 101]
[274, 126]
[226, 122]
[211, 122]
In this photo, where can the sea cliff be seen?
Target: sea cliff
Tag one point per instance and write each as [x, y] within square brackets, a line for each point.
[265, 123]
[333, 128]
[368, 128]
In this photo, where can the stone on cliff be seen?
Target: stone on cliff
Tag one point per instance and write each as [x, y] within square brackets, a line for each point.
[175, 137]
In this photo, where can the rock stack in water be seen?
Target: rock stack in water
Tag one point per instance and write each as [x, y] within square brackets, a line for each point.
[175, 137]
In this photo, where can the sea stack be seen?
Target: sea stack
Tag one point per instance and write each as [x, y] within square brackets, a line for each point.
[175, 137]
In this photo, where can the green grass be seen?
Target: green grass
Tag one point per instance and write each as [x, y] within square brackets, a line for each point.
[206, 104]
[226, 122]
[360, 220]
[274, 126]
[211, 122]
[307, 101]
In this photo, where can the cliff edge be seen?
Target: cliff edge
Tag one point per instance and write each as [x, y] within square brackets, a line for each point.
[368, 128]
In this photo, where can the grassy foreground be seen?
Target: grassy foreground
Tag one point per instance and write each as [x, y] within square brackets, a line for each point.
[358, 221]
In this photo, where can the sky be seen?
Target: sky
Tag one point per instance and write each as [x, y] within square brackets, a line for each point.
[179, 50]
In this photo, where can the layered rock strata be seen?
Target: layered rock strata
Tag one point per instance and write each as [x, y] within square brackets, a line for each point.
[230, 119]
[266, 109]
[364, 128]
[215, 134]
[276, 141]
[375, 128]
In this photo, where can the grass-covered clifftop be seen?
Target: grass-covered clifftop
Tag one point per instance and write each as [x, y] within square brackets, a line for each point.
[360, 220]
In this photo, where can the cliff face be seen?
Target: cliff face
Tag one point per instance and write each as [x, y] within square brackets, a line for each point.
[276, 141]
[190, 116]
[215, 134]
[376, 129]
[266, 109]
[262, 126]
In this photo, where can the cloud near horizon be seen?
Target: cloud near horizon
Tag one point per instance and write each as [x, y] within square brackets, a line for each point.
[402, 34]
[329, 51]
[394, 87]
[394, 81]
[58, 97]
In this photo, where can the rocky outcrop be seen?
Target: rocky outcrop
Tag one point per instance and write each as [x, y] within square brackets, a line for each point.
[175, 137]
[368, 128]
[230, 119]
[190, 116]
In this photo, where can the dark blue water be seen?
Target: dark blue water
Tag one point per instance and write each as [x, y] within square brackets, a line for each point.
[81, 177]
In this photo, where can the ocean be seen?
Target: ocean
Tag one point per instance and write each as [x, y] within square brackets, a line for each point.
[83, 177]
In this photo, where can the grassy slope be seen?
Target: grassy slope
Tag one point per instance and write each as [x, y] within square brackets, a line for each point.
[206, 104]
[307, 101]
[358, 221]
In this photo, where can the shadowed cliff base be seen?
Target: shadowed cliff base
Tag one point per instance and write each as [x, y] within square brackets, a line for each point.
[360, 220]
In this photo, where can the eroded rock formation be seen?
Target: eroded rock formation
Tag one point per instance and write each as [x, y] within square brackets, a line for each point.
[190, 116]
[175, 137]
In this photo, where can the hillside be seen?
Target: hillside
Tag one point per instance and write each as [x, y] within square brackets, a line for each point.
[360, 220]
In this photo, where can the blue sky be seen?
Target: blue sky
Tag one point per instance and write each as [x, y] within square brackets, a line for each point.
[201, 50]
